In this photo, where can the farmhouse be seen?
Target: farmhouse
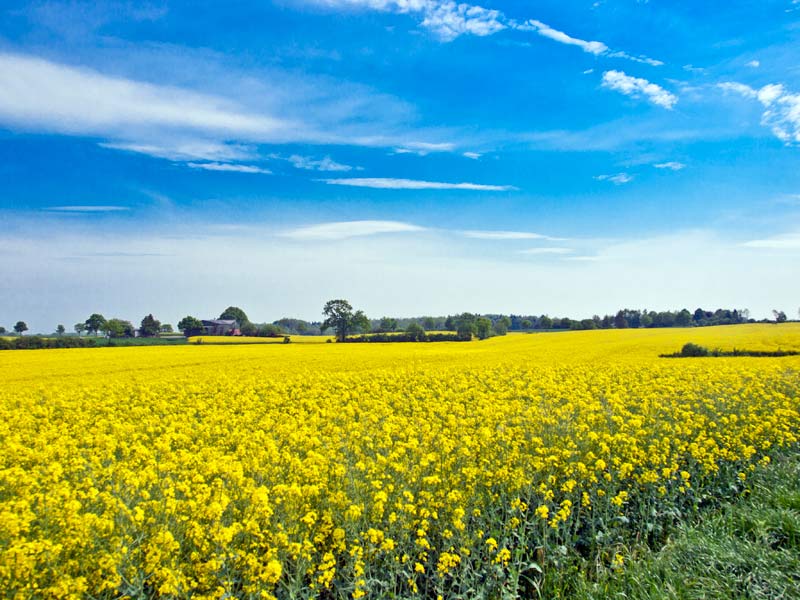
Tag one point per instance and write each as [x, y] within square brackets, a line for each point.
[221, 327]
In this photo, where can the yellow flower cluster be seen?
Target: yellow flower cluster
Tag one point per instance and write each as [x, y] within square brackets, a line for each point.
[364, 470]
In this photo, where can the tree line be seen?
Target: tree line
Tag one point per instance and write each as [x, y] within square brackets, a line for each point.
[357, 323]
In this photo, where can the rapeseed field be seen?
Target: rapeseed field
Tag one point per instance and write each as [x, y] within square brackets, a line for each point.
[452, 470]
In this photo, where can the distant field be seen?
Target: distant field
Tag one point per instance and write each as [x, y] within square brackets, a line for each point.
[491, 469]
[242, 339]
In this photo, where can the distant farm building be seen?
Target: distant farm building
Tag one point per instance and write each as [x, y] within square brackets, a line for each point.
[221, 327]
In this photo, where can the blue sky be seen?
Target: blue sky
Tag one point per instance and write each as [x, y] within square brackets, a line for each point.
[414, 156]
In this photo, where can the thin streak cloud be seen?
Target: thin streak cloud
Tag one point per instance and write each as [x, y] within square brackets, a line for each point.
[348, 229]
[415, 184]
[87, 208]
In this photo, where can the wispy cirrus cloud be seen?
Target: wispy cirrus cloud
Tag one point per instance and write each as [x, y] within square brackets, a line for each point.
[506, 235]
[596, 48]
[348, 229]
[87, 208]
[215, 166]
[182, 124]
[385, 183]
[671, 165]
[449, 20]
[471, 155]
[637, 87]
[618, 179]
[424, 148]
[324, 164]
[781, 108]
[546, 250]
[64, 99]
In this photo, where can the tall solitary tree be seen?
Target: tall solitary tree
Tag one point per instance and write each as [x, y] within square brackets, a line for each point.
[21, 327]
[79, 328]
[341, 318]
[150, 326]
[95, 323]
[60, 330]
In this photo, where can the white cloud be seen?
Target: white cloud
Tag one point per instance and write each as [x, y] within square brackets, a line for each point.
[671, 165]
[88, 208]
[182, 124]
[177, 150]
[781, 108]
[472, 155]
[754, 64]
[424, 148]
[348, 229]
[505, 235]
[215, 166]
[780, 242]
[639, 59]
[414, 184]
[595, 48]
[449, 20]
[739, 88]
[547, 251]
[587, 258]
[636, 87]
[618, 179]
[324, 164]
[44, 95]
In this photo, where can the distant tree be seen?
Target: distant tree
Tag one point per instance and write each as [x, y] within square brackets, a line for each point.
[268, 330]
[645, 320]
[429, 323]
[191, 326]
[450, 323]
[248, 329]
[2, 330]
[60, 330]
[340, 317]
[620, 322]
[387, 324]
[95, 323]
[699, 315]
[780, 316]
[150, 326]
[545, 322]
[361, 322]
[415, 332]
[118, 328]
[235, 313]
[683, 318]
[526, 324]
[165, 328]
[21, 327]
[483, 328]
[501, 325]
[79, 328]
[465, 330]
